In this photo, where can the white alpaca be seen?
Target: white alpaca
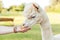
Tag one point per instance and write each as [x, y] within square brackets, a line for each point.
[34, 14]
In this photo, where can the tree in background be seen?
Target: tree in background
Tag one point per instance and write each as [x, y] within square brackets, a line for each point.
[1, 7]
[16, 8]
[21, 7]
[12, 9]
[54, 7]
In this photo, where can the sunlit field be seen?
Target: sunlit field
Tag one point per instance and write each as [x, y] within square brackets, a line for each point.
[35, 32]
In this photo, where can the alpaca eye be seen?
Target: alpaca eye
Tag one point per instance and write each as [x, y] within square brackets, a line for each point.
[33, 16]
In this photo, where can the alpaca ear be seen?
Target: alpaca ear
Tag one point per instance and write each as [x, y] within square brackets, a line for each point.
[36, 6]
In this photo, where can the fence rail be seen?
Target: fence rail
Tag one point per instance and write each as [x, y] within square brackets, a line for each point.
[6, 19]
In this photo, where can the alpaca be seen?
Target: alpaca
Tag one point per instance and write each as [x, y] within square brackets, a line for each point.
[35, 14]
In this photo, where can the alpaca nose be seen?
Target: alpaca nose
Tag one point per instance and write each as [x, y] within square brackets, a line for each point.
[25, 25]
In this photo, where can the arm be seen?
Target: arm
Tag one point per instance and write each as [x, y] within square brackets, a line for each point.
[6, 29]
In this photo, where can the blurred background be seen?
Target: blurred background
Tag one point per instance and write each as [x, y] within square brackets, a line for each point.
[11, 14]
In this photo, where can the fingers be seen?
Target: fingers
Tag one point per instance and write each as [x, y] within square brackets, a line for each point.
[25, 30]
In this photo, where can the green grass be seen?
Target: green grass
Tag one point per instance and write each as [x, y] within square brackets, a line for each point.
[33, 34]
[56, 28]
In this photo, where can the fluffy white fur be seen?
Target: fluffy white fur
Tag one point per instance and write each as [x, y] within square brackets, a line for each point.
[33, 9]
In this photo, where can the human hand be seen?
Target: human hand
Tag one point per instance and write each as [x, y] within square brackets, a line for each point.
[25, 29]
[21, 29]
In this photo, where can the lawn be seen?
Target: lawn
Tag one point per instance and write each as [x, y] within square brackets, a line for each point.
[35, 32]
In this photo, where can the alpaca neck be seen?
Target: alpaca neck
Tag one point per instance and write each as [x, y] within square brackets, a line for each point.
[46, 31]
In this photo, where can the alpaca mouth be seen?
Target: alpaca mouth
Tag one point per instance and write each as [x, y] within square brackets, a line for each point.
[25, 26]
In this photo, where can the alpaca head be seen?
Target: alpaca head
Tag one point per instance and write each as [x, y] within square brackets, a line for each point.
[32, 14]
